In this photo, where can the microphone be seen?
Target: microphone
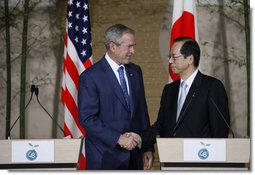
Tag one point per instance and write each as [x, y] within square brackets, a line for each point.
[32, 89]
[218, 110]
[37, 93]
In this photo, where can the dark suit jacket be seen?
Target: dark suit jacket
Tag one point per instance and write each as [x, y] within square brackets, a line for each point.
[104, 114]
[199, 117]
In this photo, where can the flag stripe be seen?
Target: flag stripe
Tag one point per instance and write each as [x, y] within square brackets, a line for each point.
[88, 62]
[73, 55]
[71, 69]
[83, 165]
[71, 106]
[78, 57]
[67, 131]
[72, 126]
[71, 87]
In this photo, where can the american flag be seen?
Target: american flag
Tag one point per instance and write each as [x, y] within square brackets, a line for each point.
[78, 57]
[184, 24]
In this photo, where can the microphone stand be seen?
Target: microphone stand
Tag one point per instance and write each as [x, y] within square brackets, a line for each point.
[36, 93]
[32, 89]
[223, 118]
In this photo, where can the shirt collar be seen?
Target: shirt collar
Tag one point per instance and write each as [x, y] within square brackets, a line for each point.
[112, 63]
[191, 78]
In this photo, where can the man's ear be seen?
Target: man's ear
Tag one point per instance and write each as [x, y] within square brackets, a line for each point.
[112, 47]
[190, 59]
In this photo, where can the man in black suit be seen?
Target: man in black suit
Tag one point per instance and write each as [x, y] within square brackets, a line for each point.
[204, 111]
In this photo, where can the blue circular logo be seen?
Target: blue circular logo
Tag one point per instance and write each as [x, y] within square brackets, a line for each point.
[31, 154]
[203, 153]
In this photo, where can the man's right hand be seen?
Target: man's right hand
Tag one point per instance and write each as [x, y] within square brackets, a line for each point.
[129, 140]
[137, 137]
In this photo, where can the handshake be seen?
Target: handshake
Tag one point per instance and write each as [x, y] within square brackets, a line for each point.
[129, 140]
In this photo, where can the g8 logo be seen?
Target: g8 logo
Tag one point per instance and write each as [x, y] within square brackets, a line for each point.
[31, 154]
[203, 153]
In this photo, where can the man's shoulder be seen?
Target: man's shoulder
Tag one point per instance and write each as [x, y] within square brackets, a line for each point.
[173, 85]
[210, 80]
[93, 68]
[133, 66]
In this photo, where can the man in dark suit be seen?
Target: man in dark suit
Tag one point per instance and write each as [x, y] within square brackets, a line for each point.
[196, 106]
[111, 103]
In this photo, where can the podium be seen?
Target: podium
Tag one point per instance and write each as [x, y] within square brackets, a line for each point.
[64, 154]
[204, 153]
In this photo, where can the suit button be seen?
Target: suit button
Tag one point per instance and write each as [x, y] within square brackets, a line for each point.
[174, 134]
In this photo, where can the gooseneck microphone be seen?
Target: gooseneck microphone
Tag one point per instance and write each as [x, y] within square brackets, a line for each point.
[37, 93]
[32, 89]
[221, 115]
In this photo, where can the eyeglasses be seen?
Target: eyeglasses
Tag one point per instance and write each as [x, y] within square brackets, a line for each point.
[174, 57]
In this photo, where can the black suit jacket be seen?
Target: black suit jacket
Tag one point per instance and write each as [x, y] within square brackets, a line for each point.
[199, 117]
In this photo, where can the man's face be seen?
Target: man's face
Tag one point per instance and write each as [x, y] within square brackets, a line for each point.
[123, 52]
[177, 62]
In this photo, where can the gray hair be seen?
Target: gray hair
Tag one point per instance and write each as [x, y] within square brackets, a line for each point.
[114, 34]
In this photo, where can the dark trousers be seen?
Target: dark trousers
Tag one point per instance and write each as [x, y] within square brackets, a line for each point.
[136, 160]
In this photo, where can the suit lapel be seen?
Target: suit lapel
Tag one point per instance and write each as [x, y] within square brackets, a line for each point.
[109, 74]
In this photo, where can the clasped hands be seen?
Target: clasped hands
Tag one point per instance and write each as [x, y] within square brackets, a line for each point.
[129, 140]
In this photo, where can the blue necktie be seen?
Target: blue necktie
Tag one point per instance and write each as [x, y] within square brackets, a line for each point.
[123, 84]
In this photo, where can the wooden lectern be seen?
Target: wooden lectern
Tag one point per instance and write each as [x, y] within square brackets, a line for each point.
[66, 154]
[172, 150]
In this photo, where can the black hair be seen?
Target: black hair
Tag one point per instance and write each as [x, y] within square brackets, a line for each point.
[189, 47]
